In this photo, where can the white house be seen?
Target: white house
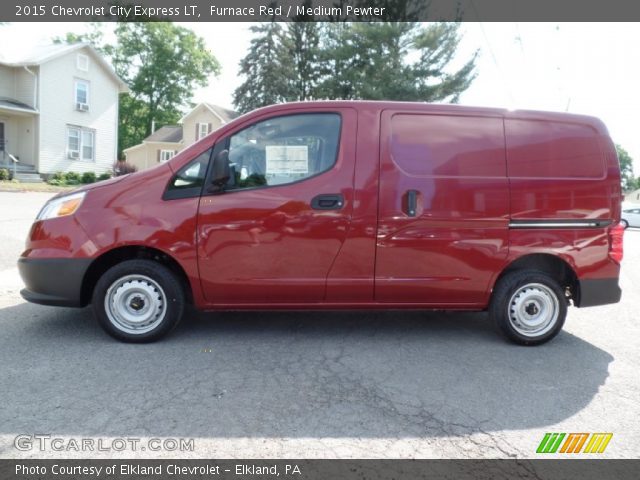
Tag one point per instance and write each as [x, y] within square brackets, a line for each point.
[58, 109]
[165, 142]
[632, 197]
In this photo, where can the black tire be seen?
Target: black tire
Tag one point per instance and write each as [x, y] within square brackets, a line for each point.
[624, 224]
[133, 286]
[512, 302]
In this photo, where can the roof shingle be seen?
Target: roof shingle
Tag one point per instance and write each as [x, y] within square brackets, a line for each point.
[168, 133]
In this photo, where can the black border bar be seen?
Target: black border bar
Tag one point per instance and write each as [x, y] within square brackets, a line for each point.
[538, 469]
[319, 10]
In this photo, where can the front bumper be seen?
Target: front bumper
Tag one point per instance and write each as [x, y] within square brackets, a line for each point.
[53, 281]
[598, 291]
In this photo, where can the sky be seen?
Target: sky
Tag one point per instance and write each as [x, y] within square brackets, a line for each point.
[586, 68]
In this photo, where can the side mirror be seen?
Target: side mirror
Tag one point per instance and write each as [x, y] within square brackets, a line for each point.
[221, 172]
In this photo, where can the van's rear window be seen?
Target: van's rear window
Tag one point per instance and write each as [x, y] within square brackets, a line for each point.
[542, 149]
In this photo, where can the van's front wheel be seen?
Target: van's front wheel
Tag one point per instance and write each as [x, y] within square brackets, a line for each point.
[529, 307]
[138, 301]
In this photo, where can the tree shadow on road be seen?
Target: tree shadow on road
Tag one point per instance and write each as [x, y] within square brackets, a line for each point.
[288, 374]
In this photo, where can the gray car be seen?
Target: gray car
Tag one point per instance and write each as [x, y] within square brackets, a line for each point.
[631, 217]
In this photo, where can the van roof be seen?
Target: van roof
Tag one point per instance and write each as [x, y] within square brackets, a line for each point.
[442, 108]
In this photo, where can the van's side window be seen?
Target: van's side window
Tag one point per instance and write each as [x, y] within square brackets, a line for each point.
[448, 145]
[283, 150]
[189, 180]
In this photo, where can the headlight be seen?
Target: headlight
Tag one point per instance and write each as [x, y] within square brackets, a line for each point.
[59, 207]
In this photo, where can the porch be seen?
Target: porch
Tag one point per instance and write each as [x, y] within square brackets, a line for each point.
[18, 139]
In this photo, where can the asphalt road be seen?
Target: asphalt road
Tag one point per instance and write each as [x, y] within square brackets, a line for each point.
[295, 385]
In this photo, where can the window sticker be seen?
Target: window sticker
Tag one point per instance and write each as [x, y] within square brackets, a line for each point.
[287, 159]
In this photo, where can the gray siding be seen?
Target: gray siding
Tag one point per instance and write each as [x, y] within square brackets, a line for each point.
[58, 111]
[18, 84]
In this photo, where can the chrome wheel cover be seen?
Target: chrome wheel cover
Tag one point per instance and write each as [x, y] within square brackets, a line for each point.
[533, 310]
[135, 304]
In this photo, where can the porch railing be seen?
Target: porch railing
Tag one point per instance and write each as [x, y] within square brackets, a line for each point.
[7, 158]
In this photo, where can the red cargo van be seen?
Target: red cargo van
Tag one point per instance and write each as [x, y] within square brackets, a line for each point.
[343, 205]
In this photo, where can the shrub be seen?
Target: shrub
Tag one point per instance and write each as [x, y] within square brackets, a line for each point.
[72, 178]
[104, 176]
[4, 174]
[55, 181]
[123, 168]
[88, 177]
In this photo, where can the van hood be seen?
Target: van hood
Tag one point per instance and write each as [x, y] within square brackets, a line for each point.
[92, 186]
[162, 168]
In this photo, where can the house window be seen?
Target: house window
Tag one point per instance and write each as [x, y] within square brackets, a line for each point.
[82, 62]
[73, 142]
[87, 145]
[80, 144]
[202, 130]
[166, 155]
[82, 94]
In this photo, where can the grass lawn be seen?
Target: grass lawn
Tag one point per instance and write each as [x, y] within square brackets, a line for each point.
[8, 186]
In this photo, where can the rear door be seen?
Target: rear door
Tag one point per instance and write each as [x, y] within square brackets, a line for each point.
[272, 236]
[443, 208]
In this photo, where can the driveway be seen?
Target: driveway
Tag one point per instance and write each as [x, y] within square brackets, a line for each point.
[296, 385]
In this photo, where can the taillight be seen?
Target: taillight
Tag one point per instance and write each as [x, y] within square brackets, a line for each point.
[615, 243]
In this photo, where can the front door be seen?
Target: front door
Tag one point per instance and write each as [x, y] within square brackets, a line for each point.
[273, 235]
[444, 208]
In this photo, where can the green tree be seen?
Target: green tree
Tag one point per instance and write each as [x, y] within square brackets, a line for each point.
[437, 46]
[95, 37]
[394, 61]
[629, 182]
[301, 40]
[336, 57]
[267, 70]
[282, 64]
[338, 60]
[162, 64]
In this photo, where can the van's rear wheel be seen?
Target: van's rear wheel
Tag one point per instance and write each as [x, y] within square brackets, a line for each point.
[138, 301]
[529, 307]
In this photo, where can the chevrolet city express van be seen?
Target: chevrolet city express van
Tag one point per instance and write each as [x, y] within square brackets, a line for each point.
[346, 205]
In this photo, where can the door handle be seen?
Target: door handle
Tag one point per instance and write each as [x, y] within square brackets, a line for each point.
[334, 201]
[412, 203]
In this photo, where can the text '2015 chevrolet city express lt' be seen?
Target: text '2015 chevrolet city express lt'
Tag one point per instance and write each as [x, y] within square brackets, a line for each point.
[347, 205]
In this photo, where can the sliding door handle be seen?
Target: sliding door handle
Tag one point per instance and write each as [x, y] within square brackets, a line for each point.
[412, 203]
